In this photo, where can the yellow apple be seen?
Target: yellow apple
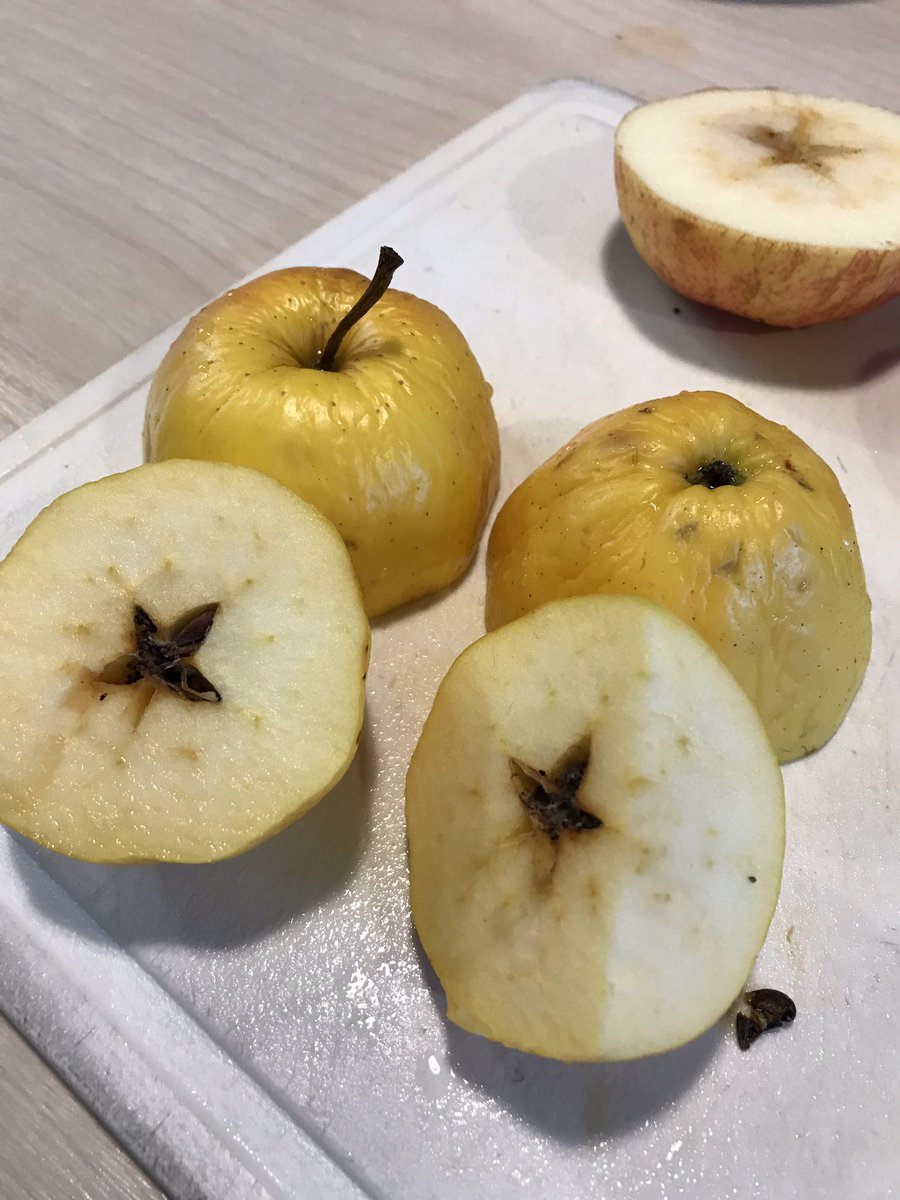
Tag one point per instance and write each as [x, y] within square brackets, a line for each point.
[596, 832]
[776, 206]
[379, 416]
[183, 651]
[728, 520]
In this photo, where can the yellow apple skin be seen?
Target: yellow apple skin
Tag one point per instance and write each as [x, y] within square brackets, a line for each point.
[778, 283]
[768, 570]
[398, 446]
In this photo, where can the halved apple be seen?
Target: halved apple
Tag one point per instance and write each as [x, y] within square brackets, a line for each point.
[182, 656]
[776, 206]
[596, 832]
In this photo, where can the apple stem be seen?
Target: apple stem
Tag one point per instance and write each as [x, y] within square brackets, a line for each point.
[388, 262]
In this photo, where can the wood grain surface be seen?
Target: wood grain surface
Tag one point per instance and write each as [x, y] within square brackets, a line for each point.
[152, 152]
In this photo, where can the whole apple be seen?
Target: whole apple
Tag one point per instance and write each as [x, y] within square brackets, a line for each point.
[727, 519]
[366, 402]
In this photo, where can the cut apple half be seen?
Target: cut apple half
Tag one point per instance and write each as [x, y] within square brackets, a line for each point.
[182, 659]
[779, 207]
[596, 832]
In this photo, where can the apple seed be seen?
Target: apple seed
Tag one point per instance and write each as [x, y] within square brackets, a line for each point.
[165, 659]
[550, 797]
[763, 1009]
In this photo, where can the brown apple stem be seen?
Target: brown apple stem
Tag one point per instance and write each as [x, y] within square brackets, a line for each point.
[388, 262]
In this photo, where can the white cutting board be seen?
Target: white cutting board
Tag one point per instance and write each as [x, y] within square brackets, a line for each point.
[266, 1027]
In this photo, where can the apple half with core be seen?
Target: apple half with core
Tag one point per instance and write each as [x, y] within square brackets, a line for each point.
[728, 520]
[366, 402]
[775, 206]
[183, 650]
[596, 832]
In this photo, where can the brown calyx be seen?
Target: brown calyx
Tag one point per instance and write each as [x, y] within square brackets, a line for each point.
[166, 658]
[716, 473]
[551, 797]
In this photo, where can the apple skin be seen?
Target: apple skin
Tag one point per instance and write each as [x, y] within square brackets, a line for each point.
[769, 571]
[778, 283]
[398, 446]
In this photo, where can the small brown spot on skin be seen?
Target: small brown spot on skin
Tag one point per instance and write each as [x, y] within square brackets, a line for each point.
[684, 533]
[662, 897]
[683, 743]
[789, 936]
[191, 753]
[645, 409]
[789, 466]
[730, 567]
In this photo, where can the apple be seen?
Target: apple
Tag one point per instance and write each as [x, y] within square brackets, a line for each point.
[596, 832]
[183, 650]
[366, 402]
[775, 206]
[728, 520]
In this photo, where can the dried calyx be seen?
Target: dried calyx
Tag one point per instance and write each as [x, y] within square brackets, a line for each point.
[717, 473]
[763, 1009]
[164, 659]
[551, 797]
[388, 262]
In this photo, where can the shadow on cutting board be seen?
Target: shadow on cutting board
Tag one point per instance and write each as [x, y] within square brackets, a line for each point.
[835, 355]
[226, 904]
[571, 1102]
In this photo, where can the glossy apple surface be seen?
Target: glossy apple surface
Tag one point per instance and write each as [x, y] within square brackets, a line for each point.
[728, 520]
[397, 445]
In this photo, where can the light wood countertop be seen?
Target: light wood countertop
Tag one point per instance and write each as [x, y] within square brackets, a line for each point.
[152, 153]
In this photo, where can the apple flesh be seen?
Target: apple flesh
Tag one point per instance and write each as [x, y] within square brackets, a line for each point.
[395, 440]
[596, 833]
[778, 207]
[183, 650]
[728, 520]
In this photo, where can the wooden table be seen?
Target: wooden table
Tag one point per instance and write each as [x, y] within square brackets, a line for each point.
[152, 153]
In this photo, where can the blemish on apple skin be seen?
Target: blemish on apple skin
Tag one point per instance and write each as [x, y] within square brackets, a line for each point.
[684, 744]
[684, 533]
[662, 897]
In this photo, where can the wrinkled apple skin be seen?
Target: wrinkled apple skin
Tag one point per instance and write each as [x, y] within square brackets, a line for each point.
[768, 571]
[398, 446]
[780, 283]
